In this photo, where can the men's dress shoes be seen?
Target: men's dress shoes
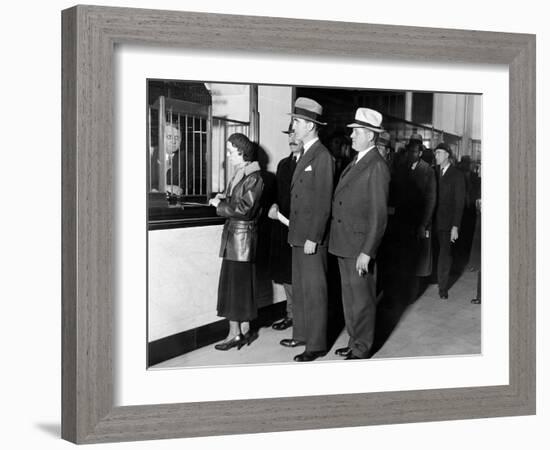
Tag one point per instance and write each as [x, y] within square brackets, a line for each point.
[475, 301]
[309, 356]
[443, 295]
[344, 351]
[352, 356]
[291, 343]
[282, 324]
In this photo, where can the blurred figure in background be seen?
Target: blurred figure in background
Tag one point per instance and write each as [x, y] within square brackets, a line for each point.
[340, 147]
[383, 146]
[475, 252]
[416, 192]
[450, 205]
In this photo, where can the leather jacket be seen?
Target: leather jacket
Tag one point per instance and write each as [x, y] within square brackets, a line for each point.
[242, 209]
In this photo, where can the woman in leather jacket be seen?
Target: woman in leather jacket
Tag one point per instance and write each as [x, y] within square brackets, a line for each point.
[241, 208]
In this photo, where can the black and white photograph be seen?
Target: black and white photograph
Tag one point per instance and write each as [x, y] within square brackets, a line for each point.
[275, 225]
[292, 224]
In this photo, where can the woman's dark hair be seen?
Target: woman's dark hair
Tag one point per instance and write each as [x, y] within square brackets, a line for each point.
[244, 146]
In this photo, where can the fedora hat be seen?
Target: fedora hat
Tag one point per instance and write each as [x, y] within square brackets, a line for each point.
[367, 118]
[308, 109]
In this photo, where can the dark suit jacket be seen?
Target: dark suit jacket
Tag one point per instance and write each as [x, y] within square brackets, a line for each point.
[359, 208]
[280, 255]
[450, 199]
[310, 196]
[285, 170]
[417, 196]
[175, 175]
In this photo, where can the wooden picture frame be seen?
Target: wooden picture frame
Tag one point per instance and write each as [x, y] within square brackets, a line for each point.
[90, 34]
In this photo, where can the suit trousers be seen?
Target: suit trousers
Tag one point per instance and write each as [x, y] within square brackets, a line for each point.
[359, 301]
[444, 260]
[310, 297]
[288, 293]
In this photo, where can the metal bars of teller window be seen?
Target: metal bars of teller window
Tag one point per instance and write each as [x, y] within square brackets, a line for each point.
[149, 149]
[184, 167]
[190, 174]
[222, 128]
[171, 156]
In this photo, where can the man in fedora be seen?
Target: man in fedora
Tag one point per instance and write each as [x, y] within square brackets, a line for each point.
[280, 259]
[310, 202]
[448, 212]
[359, 217]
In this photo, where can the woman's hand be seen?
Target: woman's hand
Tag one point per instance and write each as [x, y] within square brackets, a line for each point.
[173, 189]
[214, 202]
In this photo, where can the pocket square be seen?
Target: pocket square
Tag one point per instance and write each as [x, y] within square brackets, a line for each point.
[308, 169]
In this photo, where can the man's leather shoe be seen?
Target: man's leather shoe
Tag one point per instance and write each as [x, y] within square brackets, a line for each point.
[475, 301]
[309, 356]
[282, 324]
[344, 351]
[443, 295]
[352, 356]
[291, 343]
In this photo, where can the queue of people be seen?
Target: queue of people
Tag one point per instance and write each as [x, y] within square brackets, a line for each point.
[325, 209]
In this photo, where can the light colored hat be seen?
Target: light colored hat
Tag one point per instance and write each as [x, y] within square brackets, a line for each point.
[308, 109]
[416, 137]
[367, 118]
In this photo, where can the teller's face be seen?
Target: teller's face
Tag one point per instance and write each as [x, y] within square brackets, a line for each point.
[172, 139]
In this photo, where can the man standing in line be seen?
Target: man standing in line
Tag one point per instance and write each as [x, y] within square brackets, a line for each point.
[416, 188]
[359, 217]
[450, 204]
[310, 203]
[281, 253]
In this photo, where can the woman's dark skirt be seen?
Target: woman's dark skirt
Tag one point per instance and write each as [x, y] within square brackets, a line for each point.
[236, 291]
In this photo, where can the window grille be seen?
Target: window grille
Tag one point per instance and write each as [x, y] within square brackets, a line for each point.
[180, 149]
[222, 128]
[186, 162]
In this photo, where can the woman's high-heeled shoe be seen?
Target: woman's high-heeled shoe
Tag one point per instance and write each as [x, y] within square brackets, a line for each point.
[249, 337]
[237, 341]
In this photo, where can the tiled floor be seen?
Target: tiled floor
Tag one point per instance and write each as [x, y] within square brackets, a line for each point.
[428, 327]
